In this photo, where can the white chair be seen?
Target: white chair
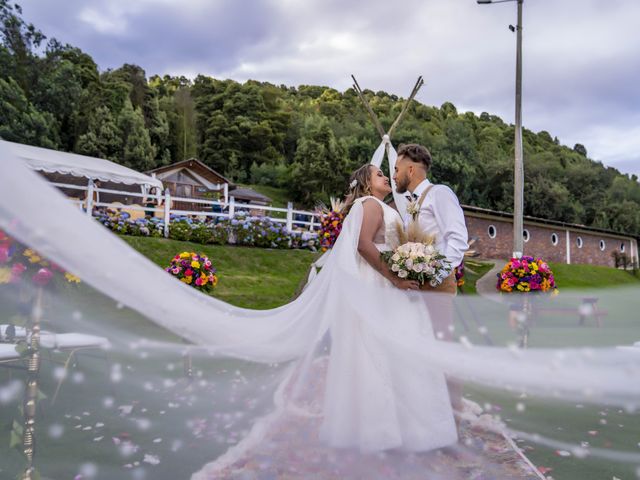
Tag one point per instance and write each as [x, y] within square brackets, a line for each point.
[12, 333]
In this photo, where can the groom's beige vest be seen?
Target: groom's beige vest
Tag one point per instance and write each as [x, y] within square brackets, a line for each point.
[448, 285]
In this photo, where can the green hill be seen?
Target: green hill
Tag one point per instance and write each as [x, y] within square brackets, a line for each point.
[304, 139]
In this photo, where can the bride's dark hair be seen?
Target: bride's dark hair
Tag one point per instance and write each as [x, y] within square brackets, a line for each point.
[359, 186]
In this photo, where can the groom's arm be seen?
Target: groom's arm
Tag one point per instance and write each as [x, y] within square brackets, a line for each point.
[450, 219]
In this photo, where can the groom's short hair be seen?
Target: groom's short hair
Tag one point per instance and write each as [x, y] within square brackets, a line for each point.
[416, 153]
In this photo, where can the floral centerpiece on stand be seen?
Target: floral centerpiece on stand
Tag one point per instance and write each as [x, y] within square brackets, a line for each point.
[526, 274]
[330, 223]
[195, 270]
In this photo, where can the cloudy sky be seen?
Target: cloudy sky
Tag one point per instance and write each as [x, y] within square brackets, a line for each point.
[581, 57]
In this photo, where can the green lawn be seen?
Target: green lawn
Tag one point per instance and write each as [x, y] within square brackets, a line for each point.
[592, 276]
[474, 269]
[249, 277]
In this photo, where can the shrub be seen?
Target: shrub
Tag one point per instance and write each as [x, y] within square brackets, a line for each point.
[200, 233]
[180, 230]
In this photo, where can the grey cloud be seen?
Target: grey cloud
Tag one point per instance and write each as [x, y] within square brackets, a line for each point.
[581, 67]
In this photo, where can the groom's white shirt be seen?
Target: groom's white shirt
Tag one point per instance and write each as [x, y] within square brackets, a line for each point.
[442, 216]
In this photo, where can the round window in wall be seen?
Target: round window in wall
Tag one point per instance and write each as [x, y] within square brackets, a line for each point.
[492, 231]
[602, 245]
[554, 238]
[622, 248]
[525, 235]
[579, 242]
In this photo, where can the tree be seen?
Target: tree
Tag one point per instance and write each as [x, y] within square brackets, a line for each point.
[580, 149]
[20, 121]
[103, 138]
[19, 39]
[320, 166]
[138, 153]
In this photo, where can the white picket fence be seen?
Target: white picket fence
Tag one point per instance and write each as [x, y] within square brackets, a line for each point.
[228, 210]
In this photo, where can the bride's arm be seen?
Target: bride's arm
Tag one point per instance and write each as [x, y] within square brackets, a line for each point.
[371, 222]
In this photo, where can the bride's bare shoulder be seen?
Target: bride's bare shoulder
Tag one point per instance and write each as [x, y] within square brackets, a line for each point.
[371, 205]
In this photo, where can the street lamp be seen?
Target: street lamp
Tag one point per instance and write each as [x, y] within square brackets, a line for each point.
[518, 183]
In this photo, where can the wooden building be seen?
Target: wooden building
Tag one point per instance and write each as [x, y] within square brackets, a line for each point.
[193, 179]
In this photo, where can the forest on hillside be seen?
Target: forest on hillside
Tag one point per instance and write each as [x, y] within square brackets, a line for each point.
[304, 139]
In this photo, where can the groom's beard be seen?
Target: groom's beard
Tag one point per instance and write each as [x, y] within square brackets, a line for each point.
[401, 185]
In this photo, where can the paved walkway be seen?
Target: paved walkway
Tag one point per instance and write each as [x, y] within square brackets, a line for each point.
[486, 285]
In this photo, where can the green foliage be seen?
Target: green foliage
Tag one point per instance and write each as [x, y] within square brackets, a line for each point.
[103, 138]
[320, 164]
[201, 234]
[180, 230]
[276, 175]
[305, 140]
[20, 121]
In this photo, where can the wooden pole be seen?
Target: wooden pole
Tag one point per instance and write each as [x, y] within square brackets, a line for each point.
[372, 114]
[405, 107]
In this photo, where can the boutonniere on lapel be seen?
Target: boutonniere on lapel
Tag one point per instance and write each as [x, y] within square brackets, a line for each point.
[413, 209]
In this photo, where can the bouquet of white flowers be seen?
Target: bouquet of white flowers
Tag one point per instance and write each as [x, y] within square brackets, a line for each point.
[417, 261]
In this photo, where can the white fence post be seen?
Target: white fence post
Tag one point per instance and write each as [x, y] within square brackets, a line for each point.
[167, 212]
[311, 223]
[232, 207]
[290, 216]
[90, 188]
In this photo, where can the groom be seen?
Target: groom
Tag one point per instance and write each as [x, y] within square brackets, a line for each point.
[439, 215]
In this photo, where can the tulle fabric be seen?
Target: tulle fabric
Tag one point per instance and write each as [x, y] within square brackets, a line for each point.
[359, 365]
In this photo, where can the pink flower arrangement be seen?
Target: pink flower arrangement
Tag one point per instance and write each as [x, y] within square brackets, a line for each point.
[194, 269]
[16, 262]
[526, 274]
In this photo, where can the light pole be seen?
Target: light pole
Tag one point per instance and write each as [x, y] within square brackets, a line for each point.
[518, 180]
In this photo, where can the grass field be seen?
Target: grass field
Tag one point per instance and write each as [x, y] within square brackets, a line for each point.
[592, 276]
[259, 278]
[249, 277]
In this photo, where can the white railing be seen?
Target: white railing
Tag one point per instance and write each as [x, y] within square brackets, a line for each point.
[166, 201]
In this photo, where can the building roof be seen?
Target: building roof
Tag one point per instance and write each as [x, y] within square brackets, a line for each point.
[545, 221]
[244, 193]
[53, 161]
[199, 167]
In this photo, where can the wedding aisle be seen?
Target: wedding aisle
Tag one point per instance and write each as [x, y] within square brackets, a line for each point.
[290, 449]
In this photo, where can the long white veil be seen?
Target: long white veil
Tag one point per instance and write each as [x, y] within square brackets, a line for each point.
[289, 341]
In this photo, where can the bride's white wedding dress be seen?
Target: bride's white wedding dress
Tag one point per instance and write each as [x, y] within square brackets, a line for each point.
[360, 389]
[377, 397]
